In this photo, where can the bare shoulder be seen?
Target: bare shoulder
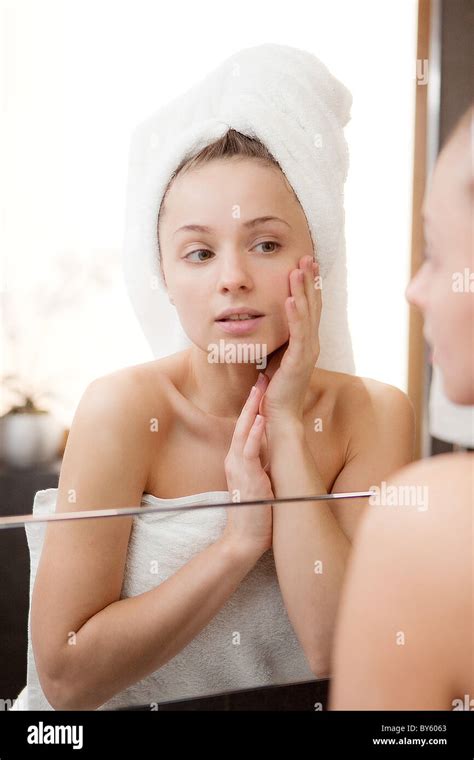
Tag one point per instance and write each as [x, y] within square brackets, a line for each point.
[138, 389]
[353, 392]
[362, 407]
[364, 393]
[443, 466]
[139, 376]
[426, 516]
[449, 480]
[411, 572]
[117, 412]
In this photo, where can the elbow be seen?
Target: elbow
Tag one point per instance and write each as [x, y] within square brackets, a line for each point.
[66, 684]
[62, 696]
[53, 690]
[50, 678]
[320, 668]
[319, 663]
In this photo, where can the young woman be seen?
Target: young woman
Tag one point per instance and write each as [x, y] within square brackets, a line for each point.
[406, 629]
[222, 428]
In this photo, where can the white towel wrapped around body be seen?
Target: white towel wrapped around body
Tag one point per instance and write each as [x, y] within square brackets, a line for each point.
[250, 642]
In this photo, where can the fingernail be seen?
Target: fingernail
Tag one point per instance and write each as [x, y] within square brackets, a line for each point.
[261, 381]
[253, 391]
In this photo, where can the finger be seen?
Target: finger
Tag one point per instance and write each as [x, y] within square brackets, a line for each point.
[316, 287]
[264, 451]
[246, 419]
[308, 266]
[300, 329]
[252, 446]
[297, 283]
[318, 301]
[298, 333]
[312, 285]
[311, 296]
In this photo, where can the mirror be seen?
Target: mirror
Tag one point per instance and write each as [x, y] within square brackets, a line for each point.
[68, 325]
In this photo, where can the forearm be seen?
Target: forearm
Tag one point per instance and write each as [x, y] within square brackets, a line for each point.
[309, 547]
[133, 637]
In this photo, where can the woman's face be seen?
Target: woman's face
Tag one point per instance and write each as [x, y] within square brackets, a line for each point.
[237, 261]
[443, 287]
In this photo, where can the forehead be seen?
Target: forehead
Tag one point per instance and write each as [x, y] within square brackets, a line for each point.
[454, 167]
[444, 181]
[224, 183]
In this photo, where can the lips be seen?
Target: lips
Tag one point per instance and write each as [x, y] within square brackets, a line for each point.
[237, 310]
[239, 326]
[240, 318]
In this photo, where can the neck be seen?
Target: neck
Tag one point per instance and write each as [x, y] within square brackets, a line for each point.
[219, 388]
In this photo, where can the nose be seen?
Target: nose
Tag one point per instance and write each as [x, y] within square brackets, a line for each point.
[408, 291]
[234, 274]
[414, 290]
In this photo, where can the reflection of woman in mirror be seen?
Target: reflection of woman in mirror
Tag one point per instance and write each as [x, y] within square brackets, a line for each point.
[405, 636]
[174, 638]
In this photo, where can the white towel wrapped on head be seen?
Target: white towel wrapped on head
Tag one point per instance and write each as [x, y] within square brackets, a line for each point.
[287, 99]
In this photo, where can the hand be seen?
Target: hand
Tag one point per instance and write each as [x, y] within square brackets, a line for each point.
[291, 366]
[250, 526]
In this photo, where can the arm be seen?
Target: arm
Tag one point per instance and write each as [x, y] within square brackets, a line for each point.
[405, 628]
[321, 532]
[117, 642]
[131, 638]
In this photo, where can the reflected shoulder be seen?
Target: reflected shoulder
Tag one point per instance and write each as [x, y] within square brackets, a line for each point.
[365, 400]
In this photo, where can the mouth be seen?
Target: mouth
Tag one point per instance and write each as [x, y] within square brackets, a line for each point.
[239, 318]
[238, 325]
[238, 313]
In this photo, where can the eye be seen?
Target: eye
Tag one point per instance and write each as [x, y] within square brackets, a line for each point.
[275, 245]
[269, 242]
[199, 250]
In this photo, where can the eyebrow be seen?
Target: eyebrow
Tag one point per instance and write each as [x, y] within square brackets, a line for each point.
[249, 224]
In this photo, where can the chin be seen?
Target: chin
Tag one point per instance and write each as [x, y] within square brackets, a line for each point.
[458, 389]
[278, 343]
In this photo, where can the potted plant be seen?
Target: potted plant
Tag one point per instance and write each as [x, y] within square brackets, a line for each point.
[31, 430]
[29, 434]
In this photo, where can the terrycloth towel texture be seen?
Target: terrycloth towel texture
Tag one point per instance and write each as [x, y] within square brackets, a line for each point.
[249, 643]
[289, 100]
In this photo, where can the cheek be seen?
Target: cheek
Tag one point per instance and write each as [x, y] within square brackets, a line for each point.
[192, 310]
[458, 315]
[277, 290]
[277, 284]
[183, 288]
[449, 312]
